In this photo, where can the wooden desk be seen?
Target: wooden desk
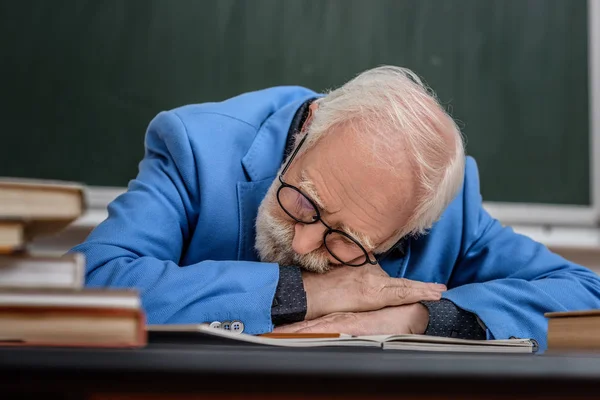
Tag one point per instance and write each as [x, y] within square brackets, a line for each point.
[168, 370]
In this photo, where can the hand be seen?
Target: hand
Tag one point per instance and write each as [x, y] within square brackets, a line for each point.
[412, 318]
[365, 288]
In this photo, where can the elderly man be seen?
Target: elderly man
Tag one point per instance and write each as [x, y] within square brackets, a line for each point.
[355, 211]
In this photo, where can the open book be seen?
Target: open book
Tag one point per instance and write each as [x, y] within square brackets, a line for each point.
[386, 342]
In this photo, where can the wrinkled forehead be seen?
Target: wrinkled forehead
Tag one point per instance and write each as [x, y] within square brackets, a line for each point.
[357, 187]
[378, 168]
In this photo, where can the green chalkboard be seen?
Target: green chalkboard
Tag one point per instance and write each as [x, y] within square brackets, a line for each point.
[81, 79]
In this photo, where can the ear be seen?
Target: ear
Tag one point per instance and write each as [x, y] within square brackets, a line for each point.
[311, 111]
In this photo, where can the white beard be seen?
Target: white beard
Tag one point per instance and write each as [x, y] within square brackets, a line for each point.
[274, 239]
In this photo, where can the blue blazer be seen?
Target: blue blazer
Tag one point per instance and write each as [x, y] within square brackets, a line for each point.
[183, 233]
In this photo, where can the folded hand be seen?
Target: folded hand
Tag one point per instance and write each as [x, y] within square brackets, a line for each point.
[367, 288]
[412, 318]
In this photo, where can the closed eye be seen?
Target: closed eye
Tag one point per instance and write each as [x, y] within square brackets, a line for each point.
[302, 203]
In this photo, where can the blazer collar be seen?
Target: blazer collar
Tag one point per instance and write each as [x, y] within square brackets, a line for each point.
[274, 138]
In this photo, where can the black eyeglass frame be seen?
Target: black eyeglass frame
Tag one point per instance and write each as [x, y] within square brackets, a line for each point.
[317, 217]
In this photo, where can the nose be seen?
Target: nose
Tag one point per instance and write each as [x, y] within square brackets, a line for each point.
[307, 238]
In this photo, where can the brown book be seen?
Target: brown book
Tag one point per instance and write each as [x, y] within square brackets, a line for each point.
[12, 236]
[44, 206]
[71, 318]
[574, 330]
[23, 270]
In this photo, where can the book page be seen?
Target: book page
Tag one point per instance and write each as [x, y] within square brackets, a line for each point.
[450, 341]
[458, 348]
[242, 337]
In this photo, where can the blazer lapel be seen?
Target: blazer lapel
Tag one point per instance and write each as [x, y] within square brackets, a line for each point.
[261, 163]
[250, 194]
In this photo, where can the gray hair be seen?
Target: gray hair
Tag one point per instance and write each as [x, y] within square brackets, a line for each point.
[390, 108]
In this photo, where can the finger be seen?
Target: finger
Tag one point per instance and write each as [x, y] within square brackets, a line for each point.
[416, 284]
[297, 326]
[290, 328]
[399, 295]
[320, 328]
[325, 320]
[348, 323]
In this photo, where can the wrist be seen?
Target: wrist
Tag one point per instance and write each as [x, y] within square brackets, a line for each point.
[289, 301]
[311, 294]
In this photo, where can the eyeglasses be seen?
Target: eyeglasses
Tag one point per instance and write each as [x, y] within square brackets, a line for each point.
[298, 206]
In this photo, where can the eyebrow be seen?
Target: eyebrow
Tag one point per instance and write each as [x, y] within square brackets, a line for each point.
[363, 239]
[309, 188]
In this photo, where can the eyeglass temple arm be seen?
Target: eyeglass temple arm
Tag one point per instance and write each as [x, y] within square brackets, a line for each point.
[293, 156]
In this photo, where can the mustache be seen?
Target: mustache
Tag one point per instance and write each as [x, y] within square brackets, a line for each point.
[274, 239]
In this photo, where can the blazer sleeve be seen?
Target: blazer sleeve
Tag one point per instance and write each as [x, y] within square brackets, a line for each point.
[141, 242]
[508, 279]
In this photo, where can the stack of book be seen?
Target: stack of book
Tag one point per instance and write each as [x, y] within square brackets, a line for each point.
[43, 301]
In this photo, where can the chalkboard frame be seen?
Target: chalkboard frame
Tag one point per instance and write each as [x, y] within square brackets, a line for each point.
[569, 215]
